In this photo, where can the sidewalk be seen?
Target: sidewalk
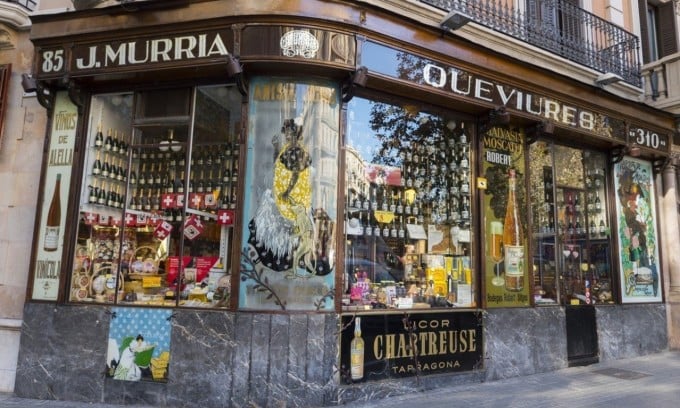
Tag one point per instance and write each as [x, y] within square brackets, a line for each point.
[647, 381]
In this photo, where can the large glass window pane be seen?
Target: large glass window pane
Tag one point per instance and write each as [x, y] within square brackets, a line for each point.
[571, 249]
[290, 210]
[159, 198]
[408, 208]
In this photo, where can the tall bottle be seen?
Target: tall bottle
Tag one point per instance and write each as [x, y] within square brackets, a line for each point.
[357, 352]
[99, 137]
[513, 237]
[53, 219]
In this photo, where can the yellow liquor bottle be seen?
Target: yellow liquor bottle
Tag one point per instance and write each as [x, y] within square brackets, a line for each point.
[513, 237]
[357, 352]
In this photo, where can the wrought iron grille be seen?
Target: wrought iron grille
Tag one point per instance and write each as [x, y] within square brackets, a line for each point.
[29, 5]
[560, 27]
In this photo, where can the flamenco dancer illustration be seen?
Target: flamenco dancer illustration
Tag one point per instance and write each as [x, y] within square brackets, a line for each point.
[284, 234]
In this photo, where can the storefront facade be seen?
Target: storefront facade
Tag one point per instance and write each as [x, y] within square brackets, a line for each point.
[304, 208]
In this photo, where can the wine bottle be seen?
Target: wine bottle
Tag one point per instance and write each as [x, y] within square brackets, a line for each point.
[99, 137]
[97, 166]
[115, 146]
[598, 203]
[106, 168]
[233, 198]
[101, 197]
[150, 175]
[513, 237]
[234, 171]
[94, 192]
[357, 352]
[53, 222]
[108, 143]
[133, 177]
[142, 175]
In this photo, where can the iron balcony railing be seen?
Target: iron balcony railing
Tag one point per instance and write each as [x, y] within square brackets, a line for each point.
[560, 27]
[29, 5]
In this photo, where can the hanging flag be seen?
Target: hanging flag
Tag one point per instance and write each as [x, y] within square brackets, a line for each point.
[193, 227]
[168, 201]
[130, 220]
[90, 218]
[225, 217]
[163, 230]
[103, 219]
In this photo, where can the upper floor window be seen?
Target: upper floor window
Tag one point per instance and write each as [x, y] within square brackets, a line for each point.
[657, 30]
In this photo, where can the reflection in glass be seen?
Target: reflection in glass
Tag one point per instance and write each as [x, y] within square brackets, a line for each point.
[407, 218]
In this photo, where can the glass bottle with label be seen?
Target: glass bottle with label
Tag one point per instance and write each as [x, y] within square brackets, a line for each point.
[357, 352]
[513, 239]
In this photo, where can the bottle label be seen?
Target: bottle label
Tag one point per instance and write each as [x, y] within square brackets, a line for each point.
[357, 362]
[514, 260]
[51, 238]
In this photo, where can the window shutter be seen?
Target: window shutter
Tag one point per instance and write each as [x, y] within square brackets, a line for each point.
[668, 43]
[644, 31]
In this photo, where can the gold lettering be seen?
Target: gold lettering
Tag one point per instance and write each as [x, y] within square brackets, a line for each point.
[377, 347]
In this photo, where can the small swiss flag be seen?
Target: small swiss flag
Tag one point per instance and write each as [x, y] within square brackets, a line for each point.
[154, 219]
[195, 200]
[90, 218]
[116, 221]
[103, 219]
[163, 230]
[130, 220]
[225, 217]
[168, 201]
[193, 227]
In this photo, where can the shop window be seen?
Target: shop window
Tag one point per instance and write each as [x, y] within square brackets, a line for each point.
[408, 208]
[290, 211]
[158, 198]
[571, 235]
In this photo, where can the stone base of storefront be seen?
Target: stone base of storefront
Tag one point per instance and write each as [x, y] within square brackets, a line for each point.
[223, 359]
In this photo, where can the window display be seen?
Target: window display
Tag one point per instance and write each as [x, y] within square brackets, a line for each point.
[158, 198]
[408, 208]
[571, 251]
[288, 254]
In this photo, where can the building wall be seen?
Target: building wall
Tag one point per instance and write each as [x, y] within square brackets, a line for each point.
[20, 153]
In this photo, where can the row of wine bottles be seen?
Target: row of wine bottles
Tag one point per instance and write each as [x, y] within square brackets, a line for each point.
[163, 174]
[113, 142]
[150, 199]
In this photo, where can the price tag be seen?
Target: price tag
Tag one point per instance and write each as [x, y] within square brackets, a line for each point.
[151, 282]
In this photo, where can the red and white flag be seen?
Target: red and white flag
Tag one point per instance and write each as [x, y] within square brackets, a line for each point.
[168, 201]
[130, 220]
[195, 200]
[225, 217]
[193, 227]
[163, 230]
[90, 218]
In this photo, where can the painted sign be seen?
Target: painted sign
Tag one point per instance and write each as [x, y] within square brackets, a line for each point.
[135, 53]
[480, 89]
[139, 344]
[404, 345]
[506, 263]
[52, 211]
[637, 234]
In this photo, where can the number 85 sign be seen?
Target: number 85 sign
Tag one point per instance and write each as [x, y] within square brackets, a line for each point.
[52, 61]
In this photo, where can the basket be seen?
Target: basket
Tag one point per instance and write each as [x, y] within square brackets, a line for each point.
[108, 271]
[144, 261]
